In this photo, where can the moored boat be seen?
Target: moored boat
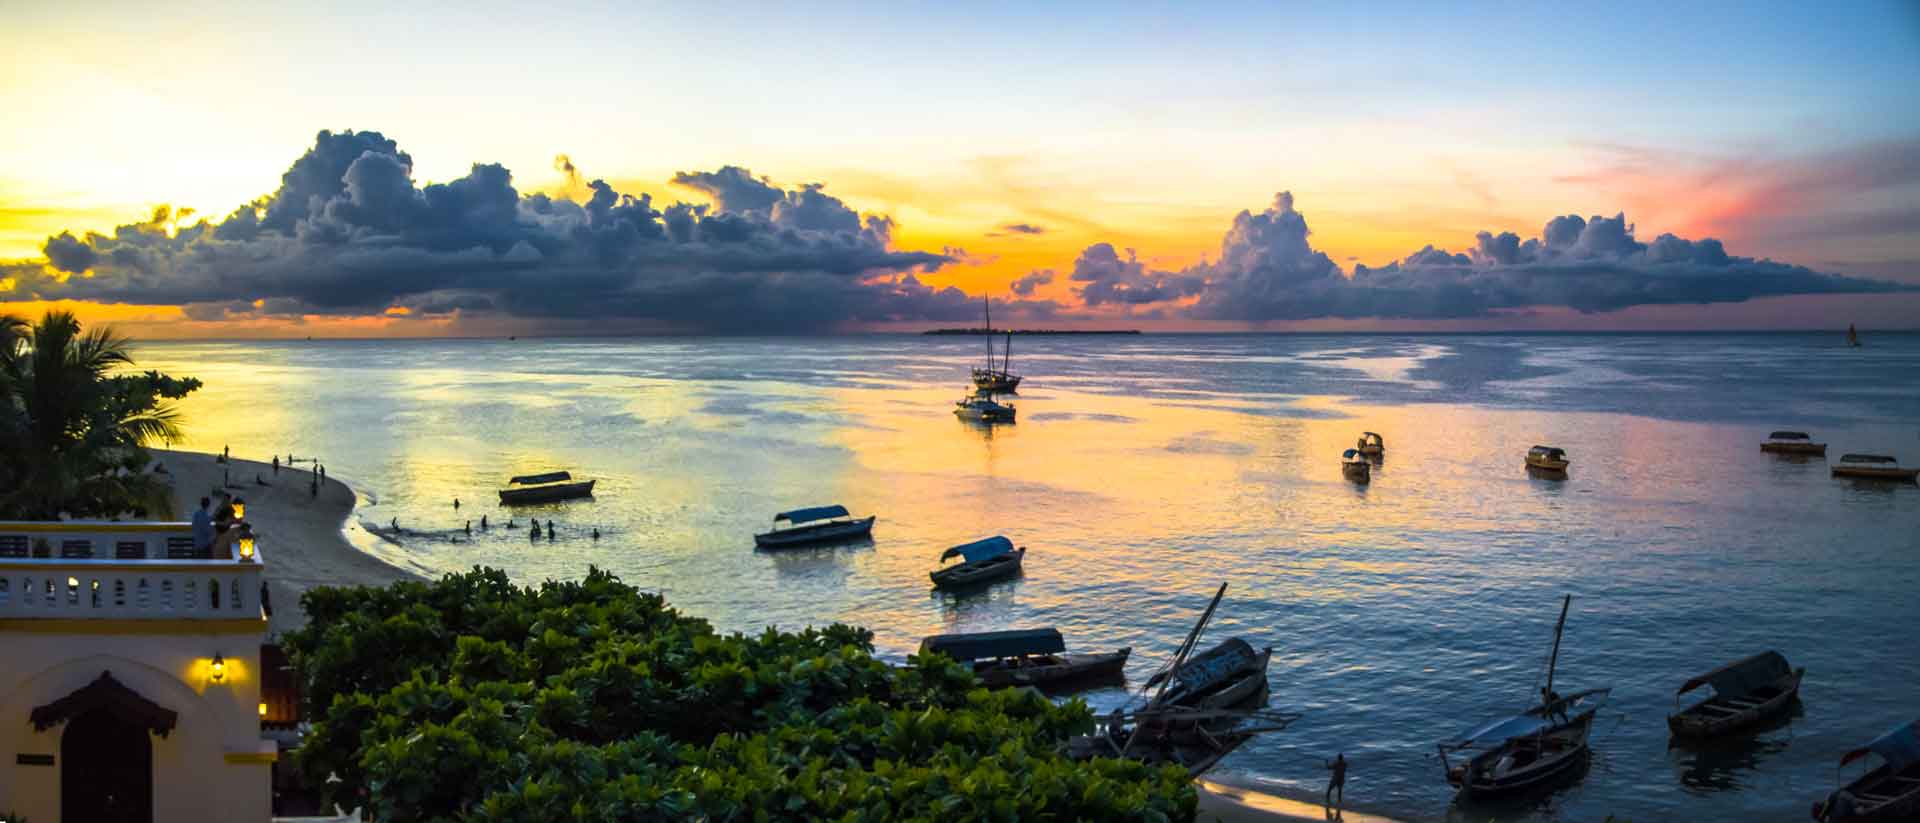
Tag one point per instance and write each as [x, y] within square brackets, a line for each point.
[984, 408]
[1355, 466]
[1873, 467]
[992, 379]
[1890, 792]
[818, 524]
[1786, 442]
[1547, 459]
[544, 488]
[1371, 445]
[1530, 750]
[982, 561]
[1026, 657]
[1745, 692]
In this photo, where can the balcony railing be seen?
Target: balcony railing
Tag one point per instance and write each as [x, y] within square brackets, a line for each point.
[79, 569]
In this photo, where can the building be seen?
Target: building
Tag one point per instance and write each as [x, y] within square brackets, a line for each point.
[130, 687]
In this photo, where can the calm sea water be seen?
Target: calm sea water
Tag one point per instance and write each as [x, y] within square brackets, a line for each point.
[1146, 470]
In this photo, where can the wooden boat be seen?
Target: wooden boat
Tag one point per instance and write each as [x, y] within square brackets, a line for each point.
[1785, 442]
[1354, 465]
[1745, 692]
[1529, 750]
[984, 408]
[820, 524]
[983, 561]
[1890, 792]
[996, 380]
[1371, 445]
[1547, 458]
[1873, 467]
[544, 488]
[1026, 657]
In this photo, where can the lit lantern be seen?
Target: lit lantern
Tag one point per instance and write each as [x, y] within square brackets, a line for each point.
[263, 710]
[239, 508]
[219, 669]
[246, 545]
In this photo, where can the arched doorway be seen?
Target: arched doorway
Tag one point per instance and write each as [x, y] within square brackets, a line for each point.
[106, 770]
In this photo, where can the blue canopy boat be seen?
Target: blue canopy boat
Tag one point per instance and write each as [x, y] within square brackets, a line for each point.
[1890, 792]
[983, 561]
[1355, 466]
[1745, 692]
[818, 524]
[1025, 657]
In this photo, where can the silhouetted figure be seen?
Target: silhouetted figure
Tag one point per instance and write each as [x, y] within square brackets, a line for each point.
[323, 474]
[469, 528]
[596, 534]
[226, 454]
[1551, 699]
[396, 525]
[276, 464]
[456, 504]
[549, 530]
[483, 522]
[1337, 782]
[533, 534]
[203, 526]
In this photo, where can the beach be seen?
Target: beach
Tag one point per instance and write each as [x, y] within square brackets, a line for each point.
[300, 534]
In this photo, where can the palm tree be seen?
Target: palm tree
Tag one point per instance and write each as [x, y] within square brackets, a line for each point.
[71, 427]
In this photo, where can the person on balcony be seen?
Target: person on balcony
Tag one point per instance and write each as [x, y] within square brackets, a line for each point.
[203, 527]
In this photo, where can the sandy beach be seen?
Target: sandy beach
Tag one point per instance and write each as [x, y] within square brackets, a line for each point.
[1232, 804]
[300, 534]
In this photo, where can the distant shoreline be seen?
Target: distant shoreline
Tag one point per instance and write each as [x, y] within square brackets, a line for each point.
[979, 332]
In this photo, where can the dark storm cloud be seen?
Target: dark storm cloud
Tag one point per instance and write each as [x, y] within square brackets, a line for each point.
[1268, 271]
[350, 232]
[1032, 280]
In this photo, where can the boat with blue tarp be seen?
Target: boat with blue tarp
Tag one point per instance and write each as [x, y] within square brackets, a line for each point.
[1354, 465]
[1026, 657]
[814, 525]
[982, 561]
[1890, 792]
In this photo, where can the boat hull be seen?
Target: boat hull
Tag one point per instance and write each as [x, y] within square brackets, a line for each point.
[815, 535]
[1794, 448]
[547, 494]
[1476, 783]
[1716, 717]
[1357, 472]
[1879, 796]
[1546, 465]
[1866, 473]
[1065, 668]
[966, 575]
[998, 382]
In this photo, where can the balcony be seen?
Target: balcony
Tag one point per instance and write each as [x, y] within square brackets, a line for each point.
[71, 570]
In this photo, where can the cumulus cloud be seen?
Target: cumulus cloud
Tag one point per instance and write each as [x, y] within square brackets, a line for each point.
[349, 231]
[1026, 283]
[1020, 228]
[1109, 279]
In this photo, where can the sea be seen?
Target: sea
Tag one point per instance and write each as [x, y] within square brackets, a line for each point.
[1144, 471]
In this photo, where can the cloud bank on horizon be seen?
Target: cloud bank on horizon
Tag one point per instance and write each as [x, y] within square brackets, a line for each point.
[349, 232]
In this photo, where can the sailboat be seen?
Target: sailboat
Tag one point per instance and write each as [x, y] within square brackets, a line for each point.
[1853, 337]
[991, 380]
[1542, 744]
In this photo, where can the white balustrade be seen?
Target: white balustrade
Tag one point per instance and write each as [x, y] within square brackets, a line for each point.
[121, 584]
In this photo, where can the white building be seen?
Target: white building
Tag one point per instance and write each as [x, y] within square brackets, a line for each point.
[130, 677]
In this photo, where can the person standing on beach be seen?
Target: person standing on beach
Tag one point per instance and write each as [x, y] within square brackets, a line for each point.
[469, 528]
[1338, 781]
[276, 464]
[456, 504]
[549, 530]
[203, 526]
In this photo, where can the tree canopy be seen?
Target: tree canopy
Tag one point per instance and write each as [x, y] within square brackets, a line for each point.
[73, 424]
[471, 699]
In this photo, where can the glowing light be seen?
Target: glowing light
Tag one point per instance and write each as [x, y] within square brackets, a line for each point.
[219, 669]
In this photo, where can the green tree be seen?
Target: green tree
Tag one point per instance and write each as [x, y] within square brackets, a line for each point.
[73, 425]
[470, 699]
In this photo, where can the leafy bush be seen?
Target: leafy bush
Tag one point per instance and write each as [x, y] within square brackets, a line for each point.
[473, 699]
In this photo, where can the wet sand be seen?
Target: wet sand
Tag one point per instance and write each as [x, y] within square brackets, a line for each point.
[300, 535]
[1233, 804]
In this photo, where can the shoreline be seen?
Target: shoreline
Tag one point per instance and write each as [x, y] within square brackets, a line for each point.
[1230, 803]
[303, 537]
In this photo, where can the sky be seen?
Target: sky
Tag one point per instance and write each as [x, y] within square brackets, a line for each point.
[208, 170]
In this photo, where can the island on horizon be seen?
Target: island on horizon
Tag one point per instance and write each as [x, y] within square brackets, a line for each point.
[979, 331]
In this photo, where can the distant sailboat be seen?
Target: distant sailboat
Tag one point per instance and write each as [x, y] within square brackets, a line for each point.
[991, 380]
[1853, 337]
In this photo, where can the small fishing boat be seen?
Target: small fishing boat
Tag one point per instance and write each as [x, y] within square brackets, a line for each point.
[1890, 792]
[1745, 692]
[1873, 467]
[982, 561]
[1785, 442]
[991, 379]
[1371, 445]
[982, 407]
[820, 524]
[544, 488]
[1226, 676]
[1547, 458]
[1354, 465]
[1026, 657]
[1529, 750]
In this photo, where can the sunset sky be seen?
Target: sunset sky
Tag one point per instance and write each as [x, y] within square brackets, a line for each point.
[961, 150]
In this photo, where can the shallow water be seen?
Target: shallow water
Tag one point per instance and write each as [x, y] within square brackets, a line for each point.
[1146, 470]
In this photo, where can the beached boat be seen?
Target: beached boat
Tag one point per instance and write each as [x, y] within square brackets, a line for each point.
[820, 524]
[984, 408]
[991, 379]
[1529, 750]
[1547, 458]
[1026, 657]
[982, 561]
[1890, 792]
[1785, 442]
[1873, 467]
[1745, 692]
[1371, 445]
[1354, 465]
[544, 488]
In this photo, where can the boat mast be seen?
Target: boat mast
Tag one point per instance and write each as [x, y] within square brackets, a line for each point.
[1006, 363]
[1554, 660]
[987, 303]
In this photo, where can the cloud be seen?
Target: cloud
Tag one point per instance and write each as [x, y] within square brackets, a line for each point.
[1269, 271]
[1018, 228]
[1026, 283]
[350, 232]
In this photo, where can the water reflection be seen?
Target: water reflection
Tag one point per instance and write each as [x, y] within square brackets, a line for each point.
[1729, 764]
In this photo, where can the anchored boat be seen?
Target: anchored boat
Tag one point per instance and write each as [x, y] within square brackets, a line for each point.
[1745, 692]
[982, 561]
[1785, 442]
[819, 524]
[1026, 657]
[982, 407]
[1888, 793]
[1371, 445]
[1873, 467]
[1547, 459]
[991, 379]
[1354, 465]
[544, 488]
